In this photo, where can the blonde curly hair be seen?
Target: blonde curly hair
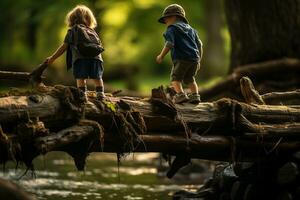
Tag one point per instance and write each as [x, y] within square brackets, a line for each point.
[81, 14]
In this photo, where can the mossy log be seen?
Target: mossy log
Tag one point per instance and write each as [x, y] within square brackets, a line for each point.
[223, 117]
[224, 130]
[211, 130]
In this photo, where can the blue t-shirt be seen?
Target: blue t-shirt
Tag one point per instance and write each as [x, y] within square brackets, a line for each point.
[183, 41]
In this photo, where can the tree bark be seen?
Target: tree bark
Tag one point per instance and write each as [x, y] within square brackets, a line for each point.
[214, 53]
[221, 130]
[262, 30]
[213, 116]
[206, 147]
[291, 97]
[23, 76]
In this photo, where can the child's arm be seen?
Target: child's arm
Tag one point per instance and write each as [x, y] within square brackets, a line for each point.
[169, 36]
[163, 53]
[60, 50]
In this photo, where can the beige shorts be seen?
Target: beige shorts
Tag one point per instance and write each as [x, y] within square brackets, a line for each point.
[185, 71]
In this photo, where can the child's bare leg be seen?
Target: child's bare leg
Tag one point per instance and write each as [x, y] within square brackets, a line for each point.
[193, 87]
[81, 84]
[177, 86]
[99, 88]
[98, 82]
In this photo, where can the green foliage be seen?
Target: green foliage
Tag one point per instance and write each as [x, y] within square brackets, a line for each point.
[111, 106]
[31, 30]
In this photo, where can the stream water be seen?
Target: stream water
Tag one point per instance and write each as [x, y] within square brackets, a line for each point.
[135, 179]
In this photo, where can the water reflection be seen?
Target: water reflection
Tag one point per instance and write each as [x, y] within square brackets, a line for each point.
[135, 179]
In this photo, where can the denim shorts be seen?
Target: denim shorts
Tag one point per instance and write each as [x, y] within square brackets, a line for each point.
[88, 68]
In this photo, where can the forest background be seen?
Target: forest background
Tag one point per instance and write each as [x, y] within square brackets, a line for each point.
[31, 30]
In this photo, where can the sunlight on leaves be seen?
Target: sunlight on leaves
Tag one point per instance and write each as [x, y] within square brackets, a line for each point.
[116, 14]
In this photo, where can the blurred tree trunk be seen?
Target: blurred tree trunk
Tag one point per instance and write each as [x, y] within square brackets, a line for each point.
[214, 53]
[97, 7]
[263, 30]
[32, 27]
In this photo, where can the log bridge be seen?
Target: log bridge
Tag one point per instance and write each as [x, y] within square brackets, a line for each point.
[58, 119]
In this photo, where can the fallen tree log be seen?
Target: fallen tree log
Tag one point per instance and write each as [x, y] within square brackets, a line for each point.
[268, 76]
[222, 115]
[291, 97]
[225, 130]
[23, 76]
[34, 77]
[11, 191]
[203, 147]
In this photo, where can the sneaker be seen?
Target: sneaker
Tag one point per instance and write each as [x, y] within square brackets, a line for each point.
[100, 96]
[180, 98]
[194, 98]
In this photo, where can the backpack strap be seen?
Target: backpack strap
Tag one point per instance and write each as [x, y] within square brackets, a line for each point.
[69, 58]
[75, 35]
[74, 40]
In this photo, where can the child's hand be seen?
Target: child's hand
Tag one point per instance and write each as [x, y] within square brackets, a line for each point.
[159, 59]
[49, 60]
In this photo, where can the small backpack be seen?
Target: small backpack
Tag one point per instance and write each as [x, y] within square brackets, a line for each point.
[87, 41]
